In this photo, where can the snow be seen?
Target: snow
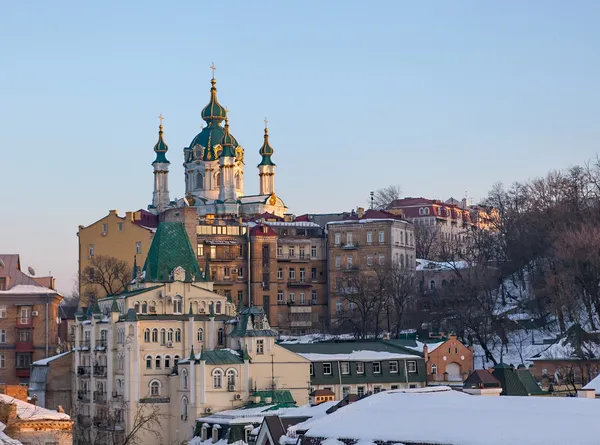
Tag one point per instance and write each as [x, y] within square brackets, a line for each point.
[4, 439]
[46, 361]
[564, 350]
[29, 289]
[233, 351]
[437, 265]
[430, 346]
[406, 415]
[312, 338]
[292, 224]
[28, 411]
[356, 356]
[368, 220]
[594, 384]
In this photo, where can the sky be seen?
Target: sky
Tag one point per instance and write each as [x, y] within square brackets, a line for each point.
[444, 98]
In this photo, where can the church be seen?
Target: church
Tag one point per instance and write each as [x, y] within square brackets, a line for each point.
[214, 171]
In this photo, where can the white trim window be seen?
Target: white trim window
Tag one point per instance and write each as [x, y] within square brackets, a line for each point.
[369, 237]
[411, 365]
[360, 368]
[327, 368]
[2, 335]
[345, 368]
[381, 237]
[376, 367]
[394, 367]
[217, 379]
[338, 239]
[260, 346]
[3, 311]
[154, 388]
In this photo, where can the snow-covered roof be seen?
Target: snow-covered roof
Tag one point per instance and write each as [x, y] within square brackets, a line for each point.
[28, 289]
[356, 356]
[430, 346]
[369, 220]
[594, 384]
[46, 361]
[461, 419]
[4, 439]
[28, 411]
[292, 224]
[439, 265]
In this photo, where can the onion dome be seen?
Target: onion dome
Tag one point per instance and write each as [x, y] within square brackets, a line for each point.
[161, 147]
[214, 111]
[266, 151]
[228, 142]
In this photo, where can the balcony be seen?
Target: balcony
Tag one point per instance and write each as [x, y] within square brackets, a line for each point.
[293, 258]
[99, 371]
[24, 346]
[101, 345]
[350, 269]
[99, 397]
[24, 322]
[83, 395]
[349, 246]
[224, 257]
[22, 371]
[84, 345]
[83, 371]
[298, 283]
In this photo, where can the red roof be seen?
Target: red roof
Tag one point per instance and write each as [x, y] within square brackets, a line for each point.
[262, 230]
[373, 214]
[268, 217]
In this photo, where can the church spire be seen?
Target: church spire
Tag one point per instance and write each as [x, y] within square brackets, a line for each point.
[266, 168]
[266, 151]
[214, 111]
[160, 197]
[227, 142]
[161, 147]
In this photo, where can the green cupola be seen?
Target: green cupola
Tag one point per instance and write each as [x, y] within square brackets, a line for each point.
[214, 111]
[266, 151]
[161, 147]
[228, 142]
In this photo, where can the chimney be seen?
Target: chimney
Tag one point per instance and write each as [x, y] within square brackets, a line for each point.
[129, 216]
[464, 204]
[361, 212]
[113, 212]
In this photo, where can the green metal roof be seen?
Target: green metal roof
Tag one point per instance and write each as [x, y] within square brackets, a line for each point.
[516, 382]
[281, 397]
[249, 321]
[130, 293]
[266, 151]
[350, 346]
[214, 111]
[170, 249]
[161, 148]
[216, 357]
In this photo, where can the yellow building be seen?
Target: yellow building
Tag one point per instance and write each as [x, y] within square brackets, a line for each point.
[122, 238]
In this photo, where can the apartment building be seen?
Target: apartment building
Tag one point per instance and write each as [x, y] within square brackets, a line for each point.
[29, 320]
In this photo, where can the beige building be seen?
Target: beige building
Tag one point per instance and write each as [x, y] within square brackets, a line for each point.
[123, 238]
[172, 345]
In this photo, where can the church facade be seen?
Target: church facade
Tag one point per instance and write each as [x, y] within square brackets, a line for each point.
[214, 171]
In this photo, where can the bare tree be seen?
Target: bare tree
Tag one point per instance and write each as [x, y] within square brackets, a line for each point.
[107, 272]
[426, 241]
[401, 293]
[383, 197]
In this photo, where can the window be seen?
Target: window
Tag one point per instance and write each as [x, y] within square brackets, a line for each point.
[175, 360]
[313, 297]
[313, 251]
[302, 253]
[147, 335]
[24, 336]
[393, 367]
[302, 274]
[138, 247]
[158, 362]
[360, 391]
[155, 388]
[360, 368]
[91, 250]
[2, 335]
[280, 274]
[381, 237]
[220, 336]
[302, 298]
[394, 387]
[312, 369]
[163, 336]
[177, 335]
[120, 226]
[345, 367]
[230, 378]
[292, 274]
[104, 228]
[217, 379]
[260, 346]
[218, 309]
[345, 391]
[199, 181]
[313, 273]
[240, 296]
[327, 368]
[280, 296]
[177, 305]
[136, 307]
[339, 307]
[3, 311]
[154, 335]
[184, 376]
[432, 285]
[412, 366]
[381, 260]
[376, 367]
[279, 251]
[338, 262]
[349, 238]
[144, 307]
[292, 296]
[92, 274]
[434, 369]
[369, 260]
[291, 252]
[200, 334]
[369, 237]
[376, 389]
[167, 361]
[170, 335]
[148, 362]
[184, 408]
[338, 239]
[349, 261]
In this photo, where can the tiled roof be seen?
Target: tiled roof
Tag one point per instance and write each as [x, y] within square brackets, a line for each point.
[170, 249]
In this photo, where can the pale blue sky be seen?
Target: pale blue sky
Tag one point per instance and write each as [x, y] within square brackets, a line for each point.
[441, 97]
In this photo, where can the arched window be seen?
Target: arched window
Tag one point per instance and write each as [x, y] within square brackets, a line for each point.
[178, 335]
[184, 378]
[426, 211]
[170, 335]
[147, 335]
[167, 361]
[200, 334]
[158, 362]
[231, 378]
[163, 336]
[136, 306]
[218, 307]
[175, 359]
[148, 362]
[155, 335]
[434, 369]
[177, 305]
[220, 336]
[203, 308]
[199, 180]
[432, 285]
[421, 211]
[217, 379]
[154, 388]
[218, 179]
[144, 307]
[152, 307]
[184, 408]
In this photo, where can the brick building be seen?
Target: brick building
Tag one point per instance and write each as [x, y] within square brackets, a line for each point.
[29, 321]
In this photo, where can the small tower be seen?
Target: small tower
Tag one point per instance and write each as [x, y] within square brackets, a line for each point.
[266, 168]
[226, 166]
[160, 197]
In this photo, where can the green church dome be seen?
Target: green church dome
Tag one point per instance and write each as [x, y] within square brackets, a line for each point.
[214, 111]
[266, 151]
[161, 148]
[228, 142]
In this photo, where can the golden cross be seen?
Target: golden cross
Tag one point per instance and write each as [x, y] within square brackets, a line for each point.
[212, 67]
[266, 122]
[160, 118]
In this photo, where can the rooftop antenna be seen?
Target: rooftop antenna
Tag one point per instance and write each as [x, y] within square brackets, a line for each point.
[372, 199]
